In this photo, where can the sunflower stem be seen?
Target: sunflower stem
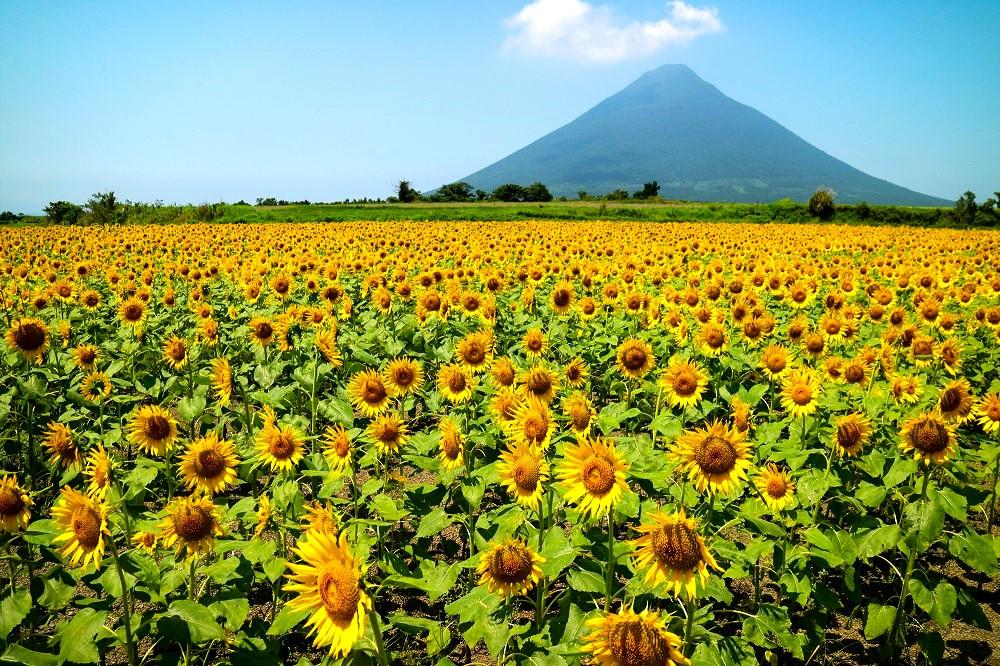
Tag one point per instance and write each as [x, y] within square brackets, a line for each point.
[819, 502]
[609, 573]
[904, 592]
[126, 610]
[993, 497]
[688, 627]
[383, 657]
[191, 587]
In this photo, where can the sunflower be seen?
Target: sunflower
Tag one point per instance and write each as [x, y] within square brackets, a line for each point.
[62, 447]
[451, 444]
[799, 392]
[988, 413]
[175, 352]
[683, 382]
[855, 372]
[523, 470]
[503, 371]
[635, 358]
[593, 476]
[30, 337]
[208, 465]
[475, 351]
[368, 393]
[84, 524]
[15, 505]
[319, 517]
[905, 388]
[929, 437]
[280, 447]
[955, 402]
[191, 525]
[950, 353]
[222, 380]
[132, 312]
[327, 585]
[922, 351]
[540, 383]
[153, 429]
[715, 458]
[775, 486]
[403, 376]
[851, 433]
[741, 414]
[326, 342]
[455, 383]
[262, 331]
[509, 567]
[95, 386]
[671, 551]
[579, 412]
[774, 361]
[145, 541]
[576, 373]
[562, 297]
[337, 448]
[263, 515]
[85, 357]
[90, 300]
[628, 638]
[503, 405]
[712, 340]
[389, 433]
[532, 424]
[534, 343]
[99, 469]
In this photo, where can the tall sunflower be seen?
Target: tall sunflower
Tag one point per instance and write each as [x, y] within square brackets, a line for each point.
[775, 486]
[99, 470]
[683, 382]
[85, 356]
[95, 386]
[929, 437]
[368, 393]
[534, 342]
[190, 526]
[475, 351]
[628, 638]
[337, 448]
[523, 470]
[540, 383]
[532, 424]
[153, 429]
[593, 476]
[579, 412]
[987, 411]
[388, 432]
[509, 567]
[576, 372]
[403, 376]
[715, 458]
[800, 392]
[262, 331]
[29, 336]
[62, 447]
[503, 371]
[955, 401]
[671, 551]
[208, 465]
[635, 358]
[132, 312]
[280, 447]
[15, 505]
[451, 444]
[83, 524]
[222, 380]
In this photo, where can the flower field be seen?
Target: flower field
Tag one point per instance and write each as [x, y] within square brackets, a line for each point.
[544, 443]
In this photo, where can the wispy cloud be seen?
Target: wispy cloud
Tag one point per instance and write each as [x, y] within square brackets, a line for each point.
[574, 29]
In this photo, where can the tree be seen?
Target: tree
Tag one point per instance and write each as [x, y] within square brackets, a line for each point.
[537, 192]
[482, 195]
[63, 212]
[582, 195]
[8, 216]
[648, 191]
[617, 195]
[821, 203]
[966, 208]
[405, 193]
[460, 191]
[509, 192]
[103, 208]
[267, 201]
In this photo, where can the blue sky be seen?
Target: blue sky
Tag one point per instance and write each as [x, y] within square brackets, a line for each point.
[199, 102]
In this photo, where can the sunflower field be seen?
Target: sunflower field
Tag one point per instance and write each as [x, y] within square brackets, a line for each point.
[544, 443]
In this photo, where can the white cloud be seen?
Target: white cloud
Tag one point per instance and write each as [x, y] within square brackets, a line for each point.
[576, 29]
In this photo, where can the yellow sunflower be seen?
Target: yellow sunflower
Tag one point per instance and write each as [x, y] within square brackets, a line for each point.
[712, 340]
[280, 447]
[523, 470]
[403, 376]
[337, 448]
[775, 486]
[190, 526]
[576, 373]
[85, 356]
[175, 352]
[774, 361]
[800, 392]
[579, 412]
[451, 444]
[503, 371]
[683, 382]
[955, 402]
[475, 351]
[987, 411]
[509, 567]
[715, 458]
[145, 541]
[29, 336]
[593, 476]
[929, 437]
[532, 424]
[388, 432]
[208, 465]
[635, 358]
[534, 343]
[905, 389]
[153, 429]
[15, 505]
[851, 433]
[263, 515]
[671, 551]
[455, 383]
[62, 447]
[99, 470]
[262, 331]
[368, 393]
[132, 312]
[95, 386]
[84, 524]
[503, 405]
[628, 638]
[540, 383]
[222, 380]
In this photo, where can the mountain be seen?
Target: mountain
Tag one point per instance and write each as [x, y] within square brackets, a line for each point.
[673, 127]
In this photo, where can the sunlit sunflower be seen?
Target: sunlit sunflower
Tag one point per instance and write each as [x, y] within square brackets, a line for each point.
[539, 382]
[451, 444]
[222, 380]
[950, 353]
[929, 437]
[923, 350]
[62, 447]
[99, 470]
[85, 357]
[403, 376]
[715, 458]
[388, 432]
[208, 465]
[683, 382]
[503, 405]
[635, 358]
[83, 525]
[712, 339]
[800, 392]
[326, 583]
[855, 372]
[593, 476]
[774, 361]
[532, 424]
[671, 551]
[337, 448]
[90, 299]
[576, 373]
[263, 515]
[15, 505]
[523, 470]
[627, 638]
[280, 447]
[175, 352]
[741, 414]
[326, 342]
[262, 331]
[851, 433]
[145, 541]
[775, 486]
[319, 517]
[368, 393]
[534, 343]
[579, 412]
[562, 297]
[95, 386]
[905, 389]
[503, 371]
[509, 567]
[475, 351]
[190, 526]
[955, 402]
[132, 312]
[455, 383]
[29, 336]
[987, 411]
[153, 429]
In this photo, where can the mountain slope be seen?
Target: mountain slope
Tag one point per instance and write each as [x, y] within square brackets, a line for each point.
[673, 127]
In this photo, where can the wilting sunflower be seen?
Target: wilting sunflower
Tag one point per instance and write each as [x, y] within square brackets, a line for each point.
[715, 458]
[579, 412]
[683, 382]
[455, 383]
[327, 585]
[388, 432]
[523, 470]
[153, 429]
[540, 383]
[800, 392]
[475, 351]
[403, 376]
[319, 517]
[988, 413]
[29, 336]
[280, 447]
[95, 386]
[99, 470]
[208, 465]
[775, 486]
[132, 312]
[955, 402]
[175, 352]
[635, 358]
[190, 526]
[145, 541]
[451, 444]
[509, 567]
[15, 505]
[851, 433]
[62, 447]
[593, 476]
[84, 524]
[532, 424]
[222, 380]
[534, 343]
[671, 551]
[85, 357]
[262, 331]
[929, 437]
[368, 393]
[628, 638]
[576, 372]
[337, 448]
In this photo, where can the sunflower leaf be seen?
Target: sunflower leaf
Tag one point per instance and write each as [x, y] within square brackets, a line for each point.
[76, 636]
[187, 620]
[879, 621]
[13, 609]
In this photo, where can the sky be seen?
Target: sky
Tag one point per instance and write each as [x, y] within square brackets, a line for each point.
[195, 102]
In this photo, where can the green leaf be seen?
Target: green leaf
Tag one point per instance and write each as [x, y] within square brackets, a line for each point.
[901, 470]
[222, 571]
[771, 626]
[112, 584]
[138, 481]
[437, 578]
[475, 611]
[611, 417]
[558, 552]
[434, 522]
[191, 407]
[76, 637]
[234, 611]
[583, 580]
[188, 620]
[13, 609]
[975, 550]
[438, 635]
[56, 591]
[726, 651]
[16, 654]
[952, 503]
[877, 541]
[870, 495]
[274, 568]
[286, 620]
[388, 508]
[259, 550]
[923, 522]
[939, 604]
[880, 619]
[473, 489]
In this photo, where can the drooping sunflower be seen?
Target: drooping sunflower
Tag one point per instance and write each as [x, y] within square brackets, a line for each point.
[851, 433]
[99, 470]
[85, 357]
[540, 383]
[534, 343]
[683, 382]
[532, 424]
[671, 551]
[190, 526]
[208, 465]
[368, 393]
[280, 447]
[593, 476]
[451, 444]
[153, 429]
[62, 447]
[576, 373]
[132, 312]
[635, 358]
[929, 437]
[337, 448]
[775, 486]
[15, 505]
[29, 336]
[95, 386]
[955, 402]
[222, 380]
[628, 638]
[579, 412]
[83, 524]
[388, 432]
[403, 376]
[262, 331]
[475, 351]
[800, 392]
[523, 470]
[455, 383]
[509, 567]
[327, 585]
[319, 517]
[987, 411]
[715, 458]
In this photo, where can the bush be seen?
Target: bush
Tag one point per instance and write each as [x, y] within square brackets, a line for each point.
[821, 203]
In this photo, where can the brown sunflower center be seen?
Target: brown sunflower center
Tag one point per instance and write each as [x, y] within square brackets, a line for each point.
[685, 383]
[579, 414]
[573, 373]
[561, 297]
[474, 353]
[534, 343]
[176, 351]
[715, 338]
[281, 445]
[388, 432]
[511, 564]
[922, 347]
[29, 336]
[88, 356]
[339, 591]
[526, 473]
[929, 436]
[86, 524]
[450, 444]
[456, 382]
[193, 523]
[210, 463]
[539, 383]
[854, 374]
[341, 446]
[951, 400]
[801, 394]
[635, 643]
[157, 427]
[716, 455]
[815, 344]
[776, 487]
[133, 312]
[849, 435]
[677, 546]
[11, 502]
[634, 358]
[598, 475]
[91, 300]
[263, 330]
[536, 427]
[373, 392]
